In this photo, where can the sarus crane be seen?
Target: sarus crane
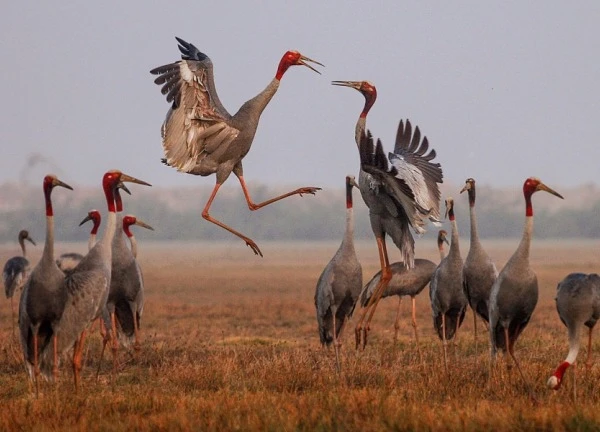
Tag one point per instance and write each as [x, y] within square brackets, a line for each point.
[448, 300]
[403, 196]
[578, 305]
[88, 285]
[479, 271]
[406, 282]
[127, 299]
[200, 137]
[340, 283]
[43, 299]
[15, 273]
[514, 294]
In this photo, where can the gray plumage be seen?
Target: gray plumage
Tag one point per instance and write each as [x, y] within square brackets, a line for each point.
[578, 305]
[43, 299]
[404, 282]
[16, 269]
[479, 270]
[448, 301]
[199, 136]
[340, 282]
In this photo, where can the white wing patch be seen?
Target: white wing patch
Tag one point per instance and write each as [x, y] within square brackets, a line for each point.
[413, 178]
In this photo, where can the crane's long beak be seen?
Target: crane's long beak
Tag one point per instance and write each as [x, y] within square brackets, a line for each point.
[31, 240]
[445, 240]
[87, 218]
[466, 188]
[303, 59]
[543, 187]
[130, 179]
[353, 84]
[57, 182]
[143, 224]
[122, 186]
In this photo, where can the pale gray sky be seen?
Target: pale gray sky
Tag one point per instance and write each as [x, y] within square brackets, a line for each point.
[503, 91]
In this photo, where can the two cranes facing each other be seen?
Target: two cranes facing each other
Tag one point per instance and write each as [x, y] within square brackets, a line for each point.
[199, 135]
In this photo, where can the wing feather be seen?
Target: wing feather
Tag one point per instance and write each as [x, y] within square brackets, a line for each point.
[415, 167]
[197, 123]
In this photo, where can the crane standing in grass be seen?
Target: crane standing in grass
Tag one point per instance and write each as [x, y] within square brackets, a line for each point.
[479, 271]
[403, 196]
[88, 285]
[43, 299]
[406, 282]
[514, 294]
[448, 301]
[578, 305]
[200, 137]
[15, 273]
[340, 283]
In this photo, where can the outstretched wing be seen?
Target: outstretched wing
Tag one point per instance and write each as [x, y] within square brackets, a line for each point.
[197, 123]
[414, 166]
[394, 193]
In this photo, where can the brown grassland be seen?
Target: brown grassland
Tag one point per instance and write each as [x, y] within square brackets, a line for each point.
[230, 343]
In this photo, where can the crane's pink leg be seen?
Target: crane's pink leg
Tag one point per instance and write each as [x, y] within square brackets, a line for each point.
[361, 330]
[252, 206]
[55, 352]
[444, 342]
[36, 366]
[105, 338]
[335, 344]
[588, 361]
[12, 322]
[77, 355]
[475, 328]
[136, 333]
[209, 218]
[115, 342]
[509, 348]
[414, 324]
[397, 321]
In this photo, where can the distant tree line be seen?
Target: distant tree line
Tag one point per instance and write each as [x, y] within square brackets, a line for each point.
[176, 216]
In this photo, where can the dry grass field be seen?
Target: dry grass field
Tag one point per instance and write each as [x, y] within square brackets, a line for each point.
[230, 343]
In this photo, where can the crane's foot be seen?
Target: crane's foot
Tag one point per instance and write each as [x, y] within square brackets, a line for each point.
[307, 190]
[253, 246]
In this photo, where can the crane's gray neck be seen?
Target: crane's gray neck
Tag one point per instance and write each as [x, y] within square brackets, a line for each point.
[109, 235]
[23, 248]
[258, 103]
[474, 234]
[48, 254]
[361, 126]
[134, 248]
[349, 234]
[441, 250]
[523, 250]
[454, 252]
[91, 241]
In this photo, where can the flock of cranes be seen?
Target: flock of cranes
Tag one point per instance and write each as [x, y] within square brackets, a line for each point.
[62, 297]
